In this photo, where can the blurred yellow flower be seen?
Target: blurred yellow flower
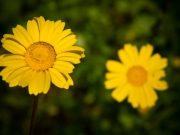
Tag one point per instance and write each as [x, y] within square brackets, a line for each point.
[137, 76]
[42, 54]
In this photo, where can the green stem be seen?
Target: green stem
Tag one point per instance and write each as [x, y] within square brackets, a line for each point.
[33, 114]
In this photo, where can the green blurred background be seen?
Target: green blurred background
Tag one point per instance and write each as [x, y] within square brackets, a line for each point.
[87, 108]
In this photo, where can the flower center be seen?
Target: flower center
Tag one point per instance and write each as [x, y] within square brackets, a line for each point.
[40, 56]
[137, 76]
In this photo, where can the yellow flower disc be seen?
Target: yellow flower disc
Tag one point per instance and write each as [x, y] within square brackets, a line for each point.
[137, 76]
[40, 56]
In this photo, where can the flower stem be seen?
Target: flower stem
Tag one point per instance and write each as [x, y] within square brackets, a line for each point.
[33, 114]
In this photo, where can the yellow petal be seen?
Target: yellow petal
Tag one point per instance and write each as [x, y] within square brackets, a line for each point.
[132, 52]
[57, 23]
[14, 47]
[145, 53]
[11, 60]
[64, 40]
[63, 69]
[158, 64]
[142, 98]
[134, 97]
[57, 78]
[10, 37]
[27, 77]
[66, 86]
[62, 35]
[74, 49]
[41, 21]
[115, 66]
[33, 86]
[57, 31]
[69, 79]
[13, 83]
[150, 95]
[47, 82]
[13, 57]
[8, 70]
[82, 55]
[40, 83]
[121, 93]
[162, 64]
[159, 74]
[22, 36]
[66, 45]
[68, 54]
[47, 31]
[13, 78]
[110, 75]
[40, 80]
[69, 59]
[123, 56]
[159, 85]
[32, 28]
[64, 64]
[1, 57]
[115, 82]
[3, 40]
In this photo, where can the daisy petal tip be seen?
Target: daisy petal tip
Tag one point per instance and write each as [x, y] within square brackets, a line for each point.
[66, 86]
[3, 40]
[10, 85]
[134, 106]
[82, 55]
[149, 46]
[128, 45]
[105, 85]
[30, 93]
[35, 93]
[21, 86]
[45, 92]
[108, 63]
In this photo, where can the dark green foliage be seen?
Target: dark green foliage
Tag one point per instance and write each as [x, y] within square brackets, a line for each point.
[102, 27]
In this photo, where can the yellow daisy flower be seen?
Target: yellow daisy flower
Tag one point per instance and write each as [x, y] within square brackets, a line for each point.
[137, 76]
[42, 54]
